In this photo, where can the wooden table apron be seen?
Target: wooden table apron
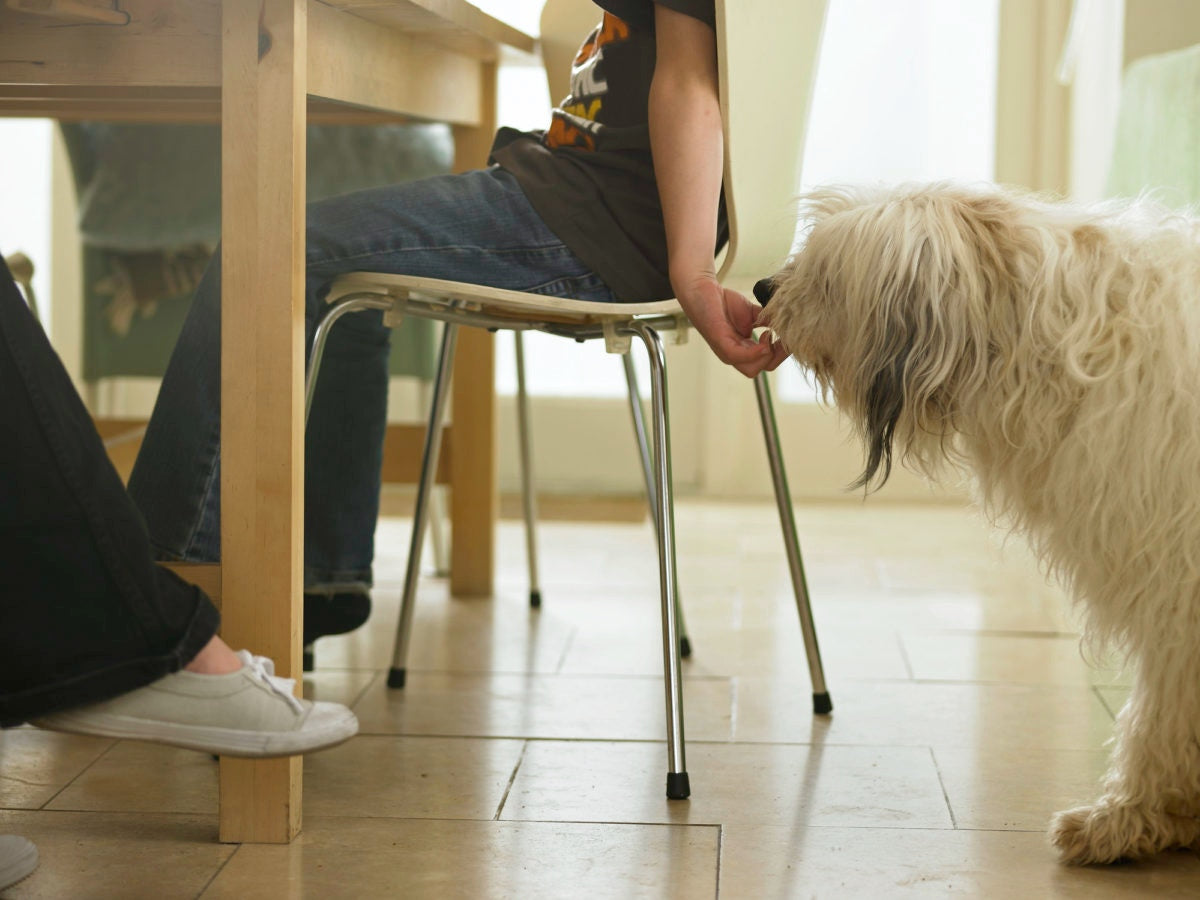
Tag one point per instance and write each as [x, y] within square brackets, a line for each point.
[264, 67]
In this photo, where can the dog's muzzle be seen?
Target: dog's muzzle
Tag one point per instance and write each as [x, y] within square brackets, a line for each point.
[763, 289]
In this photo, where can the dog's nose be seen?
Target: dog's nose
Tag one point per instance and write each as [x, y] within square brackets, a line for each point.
[763, 290]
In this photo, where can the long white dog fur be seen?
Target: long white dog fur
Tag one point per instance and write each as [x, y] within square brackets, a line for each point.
[1053, 352]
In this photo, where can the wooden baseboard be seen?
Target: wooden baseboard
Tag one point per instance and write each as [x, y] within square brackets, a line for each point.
[403, 448]
[398, 502]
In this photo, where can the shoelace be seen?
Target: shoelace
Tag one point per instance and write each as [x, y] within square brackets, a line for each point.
[263, 668]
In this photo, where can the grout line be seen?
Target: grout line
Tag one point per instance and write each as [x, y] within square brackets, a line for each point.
[734, 695]
[511, 780]
[562, 660]
[1112, 713]
[79, 774]
[945, 793]
[904, 656]
[482, 674]
[220, 869]
[1002, 632]
[363, 692]
[707, 742]
[720, 853]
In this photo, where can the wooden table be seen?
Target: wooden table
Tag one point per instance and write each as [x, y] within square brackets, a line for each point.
[262, 67]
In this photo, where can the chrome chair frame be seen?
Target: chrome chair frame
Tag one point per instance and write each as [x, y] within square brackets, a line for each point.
[397, 301]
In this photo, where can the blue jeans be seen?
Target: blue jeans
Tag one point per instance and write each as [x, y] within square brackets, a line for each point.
[475, 227]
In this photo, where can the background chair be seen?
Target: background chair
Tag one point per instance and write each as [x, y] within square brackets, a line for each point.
[21, 267]
[764, 48]
[149, 216]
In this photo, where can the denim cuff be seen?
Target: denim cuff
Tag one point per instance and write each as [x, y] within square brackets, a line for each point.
[329, 582]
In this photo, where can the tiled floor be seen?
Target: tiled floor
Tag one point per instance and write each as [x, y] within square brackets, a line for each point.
[525, 758]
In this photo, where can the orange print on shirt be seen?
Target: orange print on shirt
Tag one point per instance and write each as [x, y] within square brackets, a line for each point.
[563, 134]
[568, 128]
[611, 29]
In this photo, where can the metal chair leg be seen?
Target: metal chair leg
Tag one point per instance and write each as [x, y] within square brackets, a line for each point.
[678, 787]
[356, 304]
[822, 704]
[438, 538]
[433, 443]
[639, 432]
[320, 337]
[527, 496]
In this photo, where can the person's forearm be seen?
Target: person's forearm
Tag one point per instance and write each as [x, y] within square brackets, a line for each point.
[687, 143]
[686, 137]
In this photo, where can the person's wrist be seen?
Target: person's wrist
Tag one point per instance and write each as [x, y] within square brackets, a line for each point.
[690, 282]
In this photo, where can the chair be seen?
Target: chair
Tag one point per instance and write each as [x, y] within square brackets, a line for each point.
[762, 46]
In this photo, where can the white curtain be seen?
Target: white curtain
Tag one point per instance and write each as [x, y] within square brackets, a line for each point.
[1091, 64]
[905, 91]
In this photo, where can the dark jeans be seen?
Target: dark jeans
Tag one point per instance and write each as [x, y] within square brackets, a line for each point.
[477, 226]
[85, 614]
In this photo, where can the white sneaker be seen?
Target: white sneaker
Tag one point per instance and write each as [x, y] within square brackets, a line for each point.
[249, 712]
[18, 859]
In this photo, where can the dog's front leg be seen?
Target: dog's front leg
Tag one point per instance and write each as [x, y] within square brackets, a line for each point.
[1152, 790]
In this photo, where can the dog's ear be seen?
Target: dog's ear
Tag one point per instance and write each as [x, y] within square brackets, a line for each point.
[884, 405]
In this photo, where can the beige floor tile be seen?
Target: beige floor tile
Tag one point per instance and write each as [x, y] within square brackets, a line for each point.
[983, 717]
[570, 553]
[794, 861]
[1006, 659]
[458, 778]
[923, 714]
[1007, 789]
[334, 686]
[114, 856]
[135, 777]
[475, 861]
[893, 787]
[722, 652]
[542, 706]
[987, 609]
[368, 776]
[35, 765]
[498, 634]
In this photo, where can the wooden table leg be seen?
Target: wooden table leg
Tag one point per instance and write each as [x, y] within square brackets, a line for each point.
[474, 503]
[264, 89]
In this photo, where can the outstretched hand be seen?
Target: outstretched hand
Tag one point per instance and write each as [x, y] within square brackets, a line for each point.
[726, 320]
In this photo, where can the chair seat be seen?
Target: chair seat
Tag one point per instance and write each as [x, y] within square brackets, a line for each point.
[517, 305]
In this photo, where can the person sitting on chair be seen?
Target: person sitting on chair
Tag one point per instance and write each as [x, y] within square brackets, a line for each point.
[618, 200]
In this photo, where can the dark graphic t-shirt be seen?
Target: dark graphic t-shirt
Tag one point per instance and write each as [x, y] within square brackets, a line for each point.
[590, 175]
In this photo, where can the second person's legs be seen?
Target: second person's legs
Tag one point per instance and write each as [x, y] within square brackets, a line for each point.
[475, 227]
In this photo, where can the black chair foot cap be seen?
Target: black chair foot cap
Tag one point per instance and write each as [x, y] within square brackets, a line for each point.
[822, 705]
[396, 677]
[685, 648]
[677, 786]
[535, 599]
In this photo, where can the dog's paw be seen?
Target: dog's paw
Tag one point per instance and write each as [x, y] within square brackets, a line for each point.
[1107, 833]
[1081, 836]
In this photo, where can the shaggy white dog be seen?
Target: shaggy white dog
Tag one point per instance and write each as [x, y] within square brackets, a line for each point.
[1054, 352]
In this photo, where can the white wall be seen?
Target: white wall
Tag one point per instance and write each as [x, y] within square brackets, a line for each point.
[25, 222]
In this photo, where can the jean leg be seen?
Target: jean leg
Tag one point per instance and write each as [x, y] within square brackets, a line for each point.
[475, 227]
[176, 480]
[343, 455]
[85, 614]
